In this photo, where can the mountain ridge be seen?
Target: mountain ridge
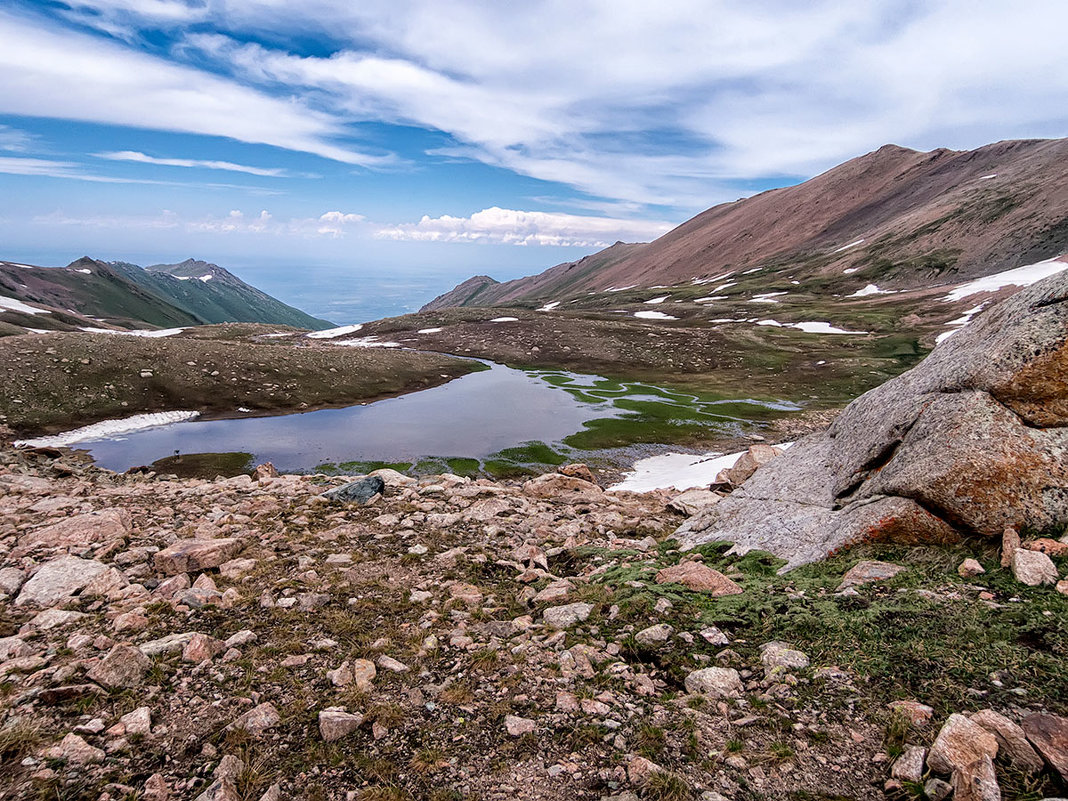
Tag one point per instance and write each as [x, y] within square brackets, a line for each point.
[940, 215]
[89, 292]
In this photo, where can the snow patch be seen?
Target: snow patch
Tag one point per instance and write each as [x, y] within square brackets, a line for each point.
[850, 270]
[109, 429]
[871, 289]
[340, 331]
[850, 245]
[959, 323]
[163, 332]
[428, 331]
[679, 471]
[85, 271]
[754, 270]
[767, 297]
[505, 320]
[708, 298]
[1021, 276]
[11, 304]
[205, 278]
[549, 306]
[988, 177]
[620, 288]
[367, 342]
[657, 300]
[654, 315]
[814, 327]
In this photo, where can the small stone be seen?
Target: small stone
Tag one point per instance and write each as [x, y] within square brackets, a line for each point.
[236, 568]
[391, 664]
[229, 768]
[654, 635]
[976, 781]
[554, 593]
[360, 491]
[517, 726]
[577, 470]
[716, 682]
[563, 617]
[960, 743]
[867, 572]
[257, 720]
[138, 722]
[76, 751]
[335, 723]
[190, 556]
[693, 501]
[130, 621]
[124, 666]
[640, 770]
[1049, 735]
[917, 714]
[155, 789]
[970, 568]
[56, 581]
[469, 594]
[713, 636]
[201, 648]
[220, 790]
[909, 766]
[1012, 742]
[1010, 544]
[779, 655]
[937, 790]
[1033, 568]
[698, 577]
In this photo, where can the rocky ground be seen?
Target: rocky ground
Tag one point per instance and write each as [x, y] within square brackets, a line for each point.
[53, 382]
[455, 639]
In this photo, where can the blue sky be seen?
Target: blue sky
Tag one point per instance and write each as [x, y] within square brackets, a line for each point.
[351, 155]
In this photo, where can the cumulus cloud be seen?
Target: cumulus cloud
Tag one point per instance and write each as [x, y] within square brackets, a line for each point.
[332, 224]
[142, 158]
[511, 227]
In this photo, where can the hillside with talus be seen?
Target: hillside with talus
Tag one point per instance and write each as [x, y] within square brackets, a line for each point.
[895, 217]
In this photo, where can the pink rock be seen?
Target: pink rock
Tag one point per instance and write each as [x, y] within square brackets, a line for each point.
[187, 556]
[697, 576]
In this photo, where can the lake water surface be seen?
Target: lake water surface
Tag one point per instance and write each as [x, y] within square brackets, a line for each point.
[474, 417]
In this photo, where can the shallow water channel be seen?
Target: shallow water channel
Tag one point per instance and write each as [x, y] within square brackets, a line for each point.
[484, 420]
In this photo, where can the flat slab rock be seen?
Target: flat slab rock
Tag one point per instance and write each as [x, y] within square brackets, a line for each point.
[189, 556]
[696, 576]
[971, 440]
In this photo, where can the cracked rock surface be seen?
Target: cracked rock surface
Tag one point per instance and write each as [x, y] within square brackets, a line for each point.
[973, 440]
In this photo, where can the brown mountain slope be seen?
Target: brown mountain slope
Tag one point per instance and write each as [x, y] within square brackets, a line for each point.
[895, 214]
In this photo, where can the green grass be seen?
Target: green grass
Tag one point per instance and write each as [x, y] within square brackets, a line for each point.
[205, 465]
[940, 650]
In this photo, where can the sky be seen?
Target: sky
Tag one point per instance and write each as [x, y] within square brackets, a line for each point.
[359, 158]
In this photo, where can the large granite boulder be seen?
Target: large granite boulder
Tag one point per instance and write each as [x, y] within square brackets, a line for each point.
[973, 440]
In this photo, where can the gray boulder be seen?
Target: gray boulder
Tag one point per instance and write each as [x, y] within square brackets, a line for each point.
[973, 440]
[360, 491]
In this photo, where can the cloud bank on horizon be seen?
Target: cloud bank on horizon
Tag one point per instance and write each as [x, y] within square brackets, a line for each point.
[559, 124]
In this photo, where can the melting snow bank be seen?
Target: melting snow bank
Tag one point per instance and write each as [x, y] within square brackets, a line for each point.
[549, 306]
[1021, 276]
[871, 289]
[811, 327]
[959, 323]
[367, 342]
[109, 428]
[654, 315]
[18, 306]
[505, 320]
[679, 471]
[330, 333]
[432, 330]
[163, 332]
[847, 247]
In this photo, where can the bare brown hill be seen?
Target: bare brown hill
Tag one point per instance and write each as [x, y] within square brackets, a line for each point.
[895, 214]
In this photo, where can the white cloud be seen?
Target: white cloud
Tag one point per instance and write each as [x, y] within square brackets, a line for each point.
[510, 227]
[141, 158]
[13, 140]
[332, 224]
[671, 104]
[67, 75]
